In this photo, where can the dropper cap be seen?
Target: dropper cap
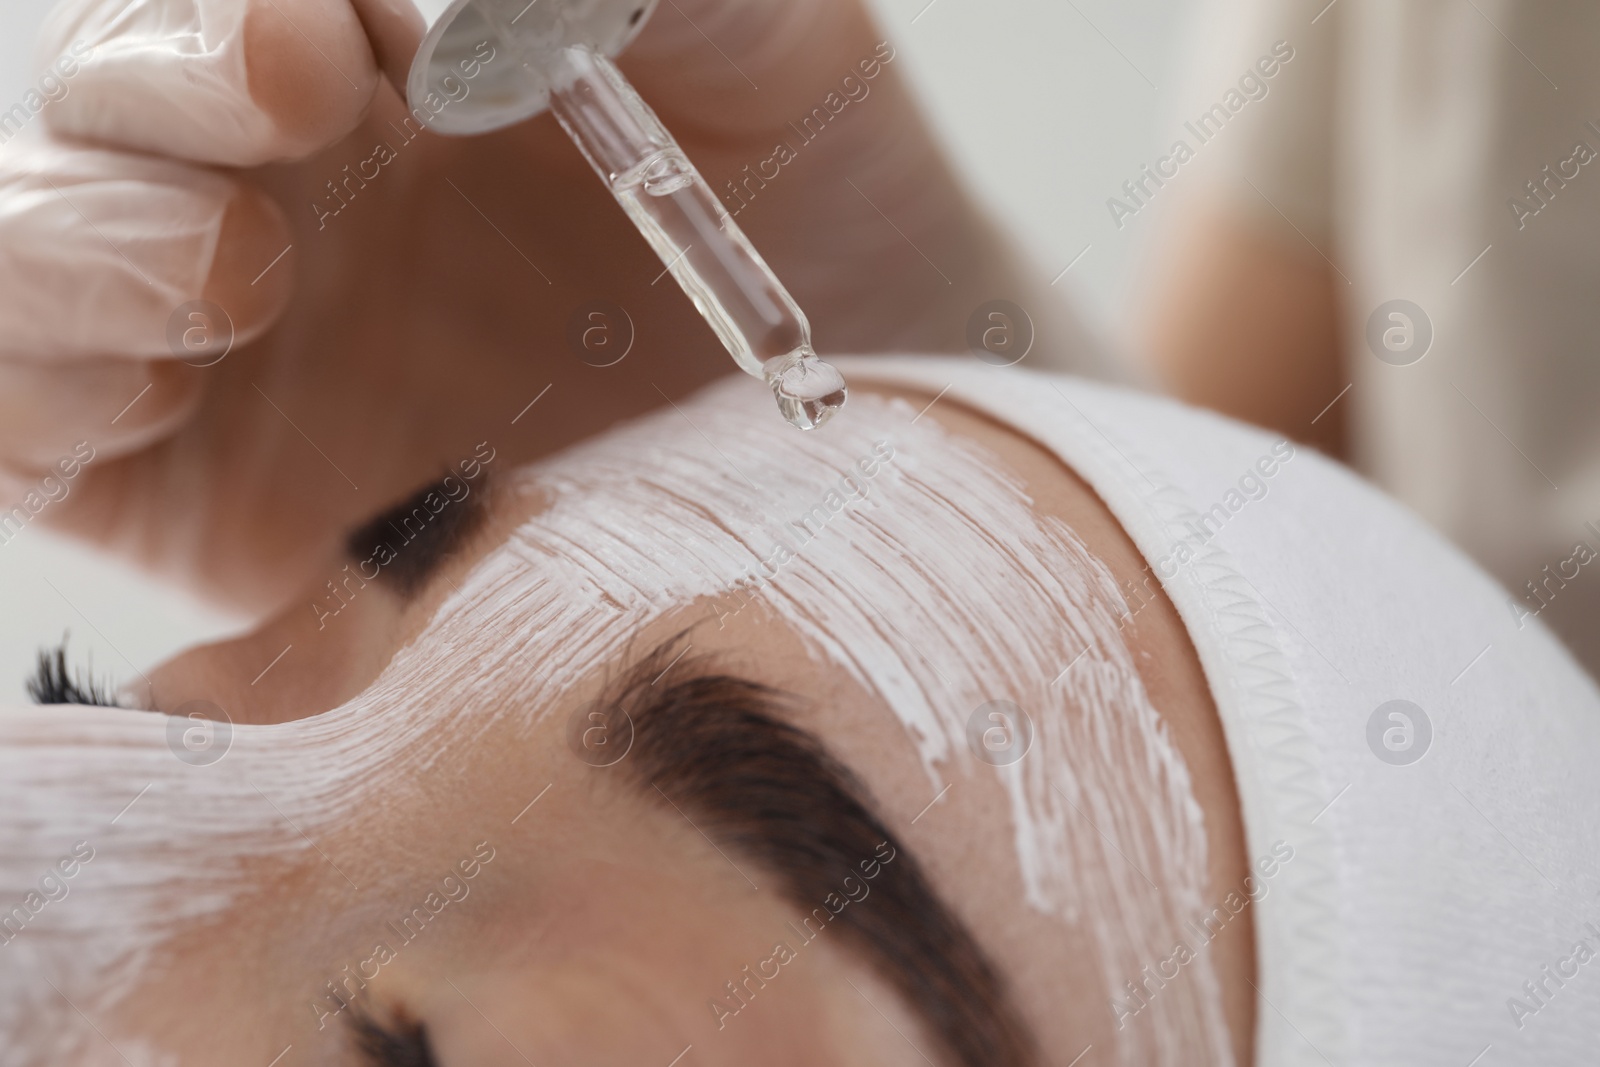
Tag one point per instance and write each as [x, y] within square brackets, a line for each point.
[428, 48]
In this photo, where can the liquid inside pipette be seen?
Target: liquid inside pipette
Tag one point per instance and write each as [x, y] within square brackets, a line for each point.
[710, 257]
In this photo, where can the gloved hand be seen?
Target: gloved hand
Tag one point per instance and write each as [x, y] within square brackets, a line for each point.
[195, 156]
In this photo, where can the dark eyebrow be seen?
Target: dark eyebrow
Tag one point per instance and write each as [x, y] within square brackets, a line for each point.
[401, 1042]
[715, 745]
[407, 543]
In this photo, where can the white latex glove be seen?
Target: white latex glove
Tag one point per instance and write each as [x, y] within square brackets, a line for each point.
[98, 247]
[374, 349]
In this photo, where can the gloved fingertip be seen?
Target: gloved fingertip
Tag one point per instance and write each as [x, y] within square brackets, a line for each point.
[173, 393]
[91, 408]
[252, 271]
[314, 95]
[230, 82]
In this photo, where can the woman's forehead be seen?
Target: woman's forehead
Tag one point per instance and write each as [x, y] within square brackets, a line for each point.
[874, 536]
[906, 557]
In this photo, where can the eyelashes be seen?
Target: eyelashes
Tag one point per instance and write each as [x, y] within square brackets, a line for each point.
[54, 682]
[402, 1043]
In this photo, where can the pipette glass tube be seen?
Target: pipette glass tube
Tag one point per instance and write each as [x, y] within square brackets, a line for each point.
[711, 258]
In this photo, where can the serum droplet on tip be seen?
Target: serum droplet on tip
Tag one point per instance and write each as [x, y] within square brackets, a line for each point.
[808, 390]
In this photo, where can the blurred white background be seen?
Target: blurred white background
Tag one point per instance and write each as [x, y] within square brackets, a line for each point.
[1047, 105]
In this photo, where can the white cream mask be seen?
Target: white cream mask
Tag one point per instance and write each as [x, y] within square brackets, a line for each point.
[897, 552]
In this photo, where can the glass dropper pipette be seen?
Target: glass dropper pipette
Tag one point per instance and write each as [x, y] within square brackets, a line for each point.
[736, 292]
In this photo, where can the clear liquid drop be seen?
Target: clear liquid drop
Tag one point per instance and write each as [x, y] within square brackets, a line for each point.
[809, 391]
